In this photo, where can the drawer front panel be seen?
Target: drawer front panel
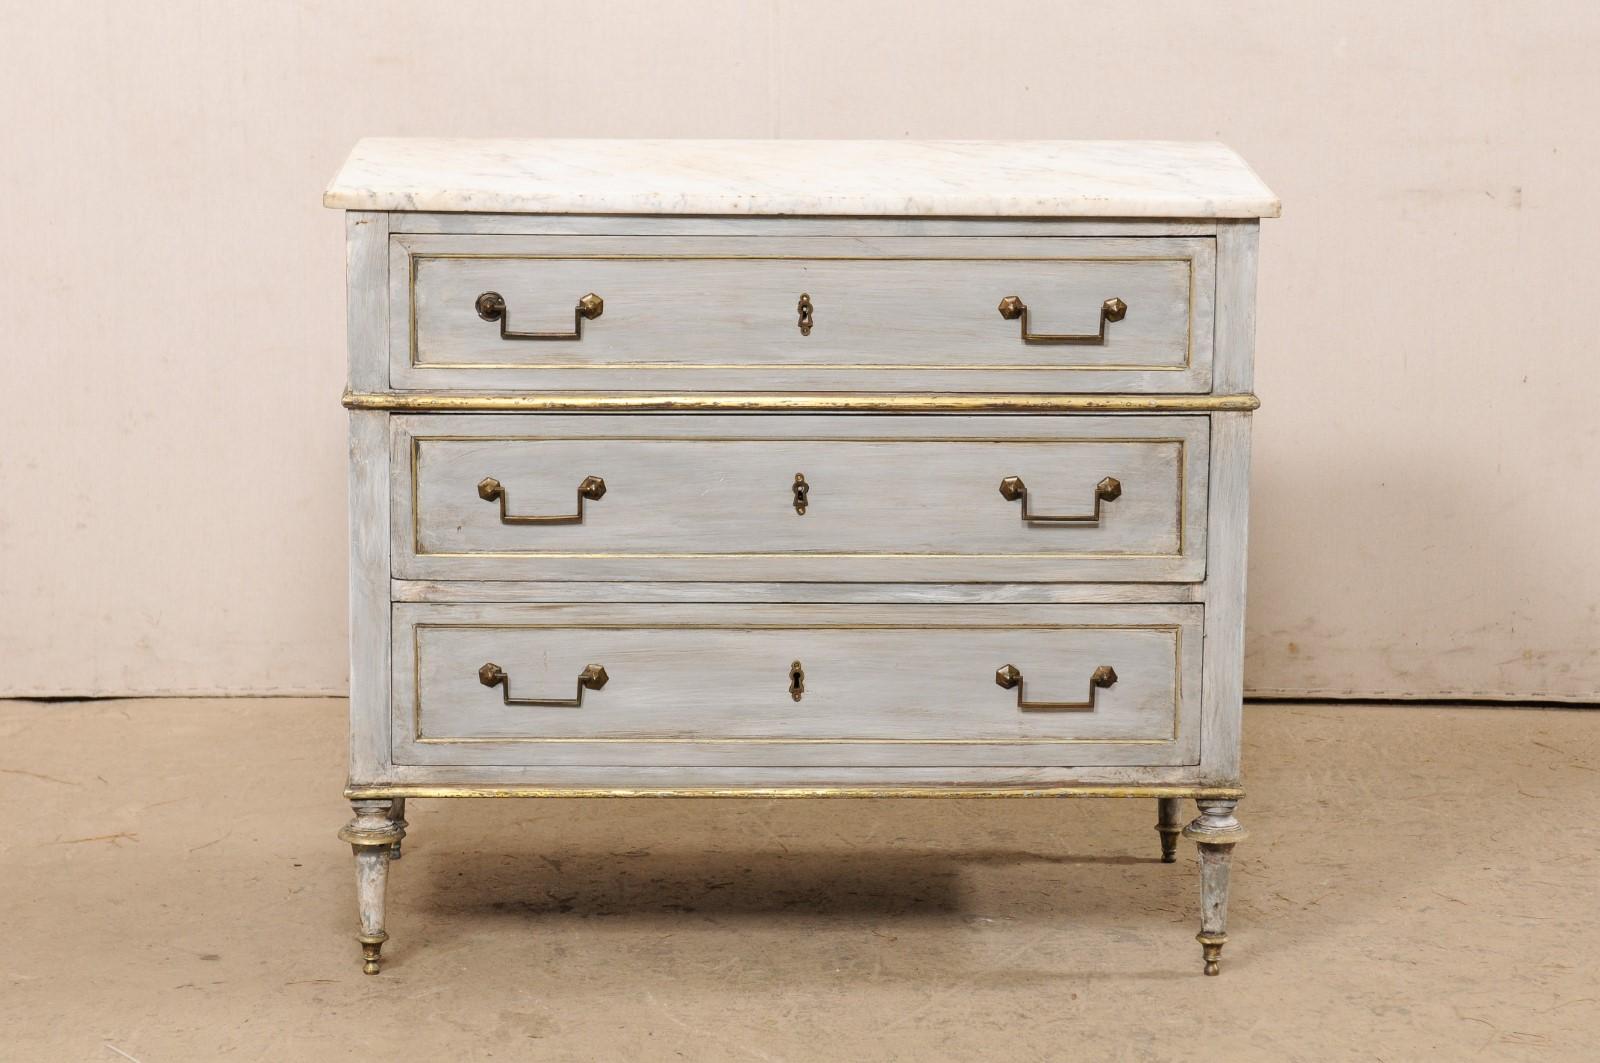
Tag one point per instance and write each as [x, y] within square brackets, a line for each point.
[724, 313]
[717, 684]
[717, 498]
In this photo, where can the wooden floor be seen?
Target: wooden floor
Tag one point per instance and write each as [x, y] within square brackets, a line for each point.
[1420, 884]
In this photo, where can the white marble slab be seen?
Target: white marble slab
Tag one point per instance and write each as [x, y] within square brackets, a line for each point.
[905, 178]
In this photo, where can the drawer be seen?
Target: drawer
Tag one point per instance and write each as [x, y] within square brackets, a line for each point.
[723, 313]
[777, 499]
[796, 684]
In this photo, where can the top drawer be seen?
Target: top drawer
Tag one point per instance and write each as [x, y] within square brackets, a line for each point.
[912, 314]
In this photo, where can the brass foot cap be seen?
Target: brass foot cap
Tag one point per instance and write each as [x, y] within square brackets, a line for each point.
[371, 945]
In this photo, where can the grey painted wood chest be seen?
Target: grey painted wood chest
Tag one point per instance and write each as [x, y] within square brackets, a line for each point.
[798, 469]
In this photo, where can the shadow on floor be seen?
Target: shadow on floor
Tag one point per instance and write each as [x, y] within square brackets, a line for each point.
[647, 882]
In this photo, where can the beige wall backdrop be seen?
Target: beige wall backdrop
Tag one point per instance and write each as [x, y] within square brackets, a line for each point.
[172, 447]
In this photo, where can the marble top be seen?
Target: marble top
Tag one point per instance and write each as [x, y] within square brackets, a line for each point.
[906, 178]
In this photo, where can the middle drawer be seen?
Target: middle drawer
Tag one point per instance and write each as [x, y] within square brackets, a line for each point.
[775, 499]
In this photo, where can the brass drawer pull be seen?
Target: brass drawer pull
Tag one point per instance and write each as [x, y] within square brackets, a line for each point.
[490, 490]
[1113, 309]
[1107, 490]
[1007, 676]
[591, 678]
[491, 306]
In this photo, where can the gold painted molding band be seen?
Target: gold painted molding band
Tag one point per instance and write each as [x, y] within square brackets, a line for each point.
[1226, 793]
[799, 402]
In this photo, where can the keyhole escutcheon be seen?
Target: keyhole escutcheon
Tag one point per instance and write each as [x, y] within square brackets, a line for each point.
[804, 310]
[797, 681]
[801, 491]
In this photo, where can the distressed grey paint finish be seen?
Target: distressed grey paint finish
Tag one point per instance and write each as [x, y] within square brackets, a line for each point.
[711, 498]
[369, 488]
[1215, 832]
[907, 582]
[1169, 811]
[1229, 508]
[374, 835]
[902, 314]
[709, 684]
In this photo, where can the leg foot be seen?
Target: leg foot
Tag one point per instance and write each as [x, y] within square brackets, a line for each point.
[1168, 823]
[397, 816]
[370, 947]
[372, 836]
[1215, 832]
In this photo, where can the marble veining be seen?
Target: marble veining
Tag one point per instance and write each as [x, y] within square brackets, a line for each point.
[897, 178]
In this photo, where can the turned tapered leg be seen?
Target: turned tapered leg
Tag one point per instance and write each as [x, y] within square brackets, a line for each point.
[1169, 811]
[1215, 832]
[397, 816]
[372, 835]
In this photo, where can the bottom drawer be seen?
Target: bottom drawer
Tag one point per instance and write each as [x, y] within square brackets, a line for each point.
[796, 685]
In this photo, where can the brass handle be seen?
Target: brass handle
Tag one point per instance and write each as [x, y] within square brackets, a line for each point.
[802, 492]
[490, 490]
[1007, 676]
[1012, 308]
[491, 306]
[592, 677]
[1107, 490]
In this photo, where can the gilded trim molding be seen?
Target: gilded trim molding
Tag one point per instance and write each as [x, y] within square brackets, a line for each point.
[1223, 793]
[816, 402]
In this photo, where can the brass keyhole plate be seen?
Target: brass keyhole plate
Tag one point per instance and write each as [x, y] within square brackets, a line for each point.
[797, 681]
[802, 491]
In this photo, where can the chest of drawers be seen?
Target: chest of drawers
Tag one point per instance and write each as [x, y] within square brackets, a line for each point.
[798, 469]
